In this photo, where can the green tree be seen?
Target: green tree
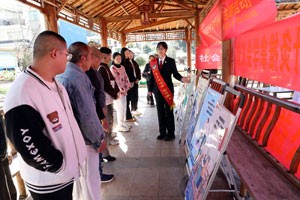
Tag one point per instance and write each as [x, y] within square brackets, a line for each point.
[171, 52]
[140, 60]
[147, 49]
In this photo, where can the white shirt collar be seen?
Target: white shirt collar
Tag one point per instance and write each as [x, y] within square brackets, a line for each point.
[162, 59]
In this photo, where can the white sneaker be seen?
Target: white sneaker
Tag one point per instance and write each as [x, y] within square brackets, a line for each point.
[113, 134]
[136, 113]
[123, 129]
[114, 142]
[127, 126]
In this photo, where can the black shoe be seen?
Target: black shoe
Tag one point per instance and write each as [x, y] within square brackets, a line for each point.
[106, 178]
[109, 158]
[160, 137]
[169, 137]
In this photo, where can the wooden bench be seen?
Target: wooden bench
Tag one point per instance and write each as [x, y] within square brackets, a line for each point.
[251, 150]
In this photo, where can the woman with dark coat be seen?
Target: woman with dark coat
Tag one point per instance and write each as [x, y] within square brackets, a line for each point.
[132, 79]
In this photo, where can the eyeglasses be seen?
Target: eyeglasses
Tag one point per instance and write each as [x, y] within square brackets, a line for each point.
[69, 55]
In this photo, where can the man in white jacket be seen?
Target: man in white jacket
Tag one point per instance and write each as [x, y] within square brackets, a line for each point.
[41, 124]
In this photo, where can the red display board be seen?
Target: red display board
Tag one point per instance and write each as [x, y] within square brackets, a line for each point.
[209, 57]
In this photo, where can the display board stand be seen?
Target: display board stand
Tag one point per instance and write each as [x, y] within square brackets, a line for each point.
[209, 145]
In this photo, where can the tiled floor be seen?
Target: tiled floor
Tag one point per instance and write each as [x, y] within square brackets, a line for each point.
[146, 169]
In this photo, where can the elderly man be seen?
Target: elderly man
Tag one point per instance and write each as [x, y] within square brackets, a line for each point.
[41, 125]
[99, 95]
[81, 93]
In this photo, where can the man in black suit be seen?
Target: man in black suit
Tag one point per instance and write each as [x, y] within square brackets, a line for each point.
[161, 85]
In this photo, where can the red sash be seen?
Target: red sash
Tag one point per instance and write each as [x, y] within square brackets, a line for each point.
[161, 84]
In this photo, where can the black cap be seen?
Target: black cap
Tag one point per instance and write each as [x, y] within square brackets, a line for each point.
[105, 50]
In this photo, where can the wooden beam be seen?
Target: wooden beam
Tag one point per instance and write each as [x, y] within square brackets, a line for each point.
[187, 20]
[50, 16]
[173, 5]
[153, 24]
[97, 6]
[111, 8]
[135, 5]
[31, 5]
[74, 4]
[160, 6]
[50, 2]
[110, 27]
[184, 5]
[122, 7]
[151, 15]
[102, 10]
[63, 4]
[152, 4]
[123, 27]
[119, 25]
[86, 4]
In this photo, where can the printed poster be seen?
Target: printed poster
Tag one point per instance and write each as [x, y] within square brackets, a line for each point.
[183, 101]
[209, 103]
[211, 143]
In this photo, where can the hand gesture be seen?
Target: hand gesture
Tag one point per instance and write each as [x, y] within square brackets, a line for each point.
[185, 79]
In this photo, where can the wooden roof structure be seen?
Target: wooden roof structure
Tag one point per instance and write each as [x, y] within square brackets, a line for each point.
[139, 20]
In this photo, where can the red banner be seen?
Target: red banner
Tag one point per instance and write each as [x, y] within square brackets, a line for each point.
[209, 57]
[240, 16]
[229, 18]
[271, 54]
[210, 28]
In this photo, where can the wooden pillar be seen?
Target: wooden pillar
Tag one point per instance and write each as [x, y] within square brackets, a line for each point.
[50, 16]
[197, 24]
[188, 46]
[104, 33]
[123, 40]
[227, 67]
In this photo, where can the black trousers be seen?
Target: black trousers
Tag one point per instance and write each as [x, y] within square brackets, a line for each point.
[7, 187]
[150, 99]
[64, 194]
[165, 116]
[132, 98]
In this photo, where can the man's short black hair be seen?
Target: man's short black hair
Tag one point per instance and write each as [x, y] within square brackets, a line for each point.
[105, 50]
[78, 49]
[163, 44]
[45, 42]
